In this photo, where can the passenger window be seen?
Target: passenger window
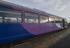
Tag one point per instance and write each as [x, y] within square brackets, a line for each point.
[11, 17]
[52, 19]
[1, 20]
[19, 20]
[43, 19]
[31, 18]
[1, 17]
[10, 20]
[58, 20]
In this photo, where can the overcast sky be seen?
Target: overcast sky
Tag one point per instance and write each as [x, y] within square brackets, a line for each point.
[56, 7]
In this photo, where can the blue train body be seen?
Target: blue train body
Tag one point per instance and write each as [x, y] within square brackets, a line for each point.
[11, 32]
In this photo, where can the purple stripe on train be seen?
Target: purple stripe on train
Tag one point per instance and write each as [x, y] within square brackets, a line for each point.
[37, 29]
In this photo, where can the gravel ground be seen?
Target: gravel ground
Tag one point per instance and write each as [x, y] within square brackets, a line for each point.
[63, 43]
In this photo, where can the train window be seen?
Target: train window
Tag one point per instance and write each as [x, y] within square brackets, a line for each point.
[11, 17]
[10, 20]
[1, 17]
[54, 19]
[19, 20]
[43, 19]
[51, 19]
[1, 20]
[58, 20]
[31, 18]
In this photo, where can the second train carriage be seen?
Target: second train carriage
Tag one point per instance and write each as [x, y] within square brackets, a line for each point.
[20, 23]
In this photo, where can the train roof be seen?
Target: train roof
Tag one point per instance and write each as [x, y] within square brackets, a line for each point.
[21, 8]
[25, 9]
[55, 16]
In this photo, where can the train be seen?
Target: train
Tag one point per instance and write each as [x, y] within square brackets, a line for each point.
[21, 23]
